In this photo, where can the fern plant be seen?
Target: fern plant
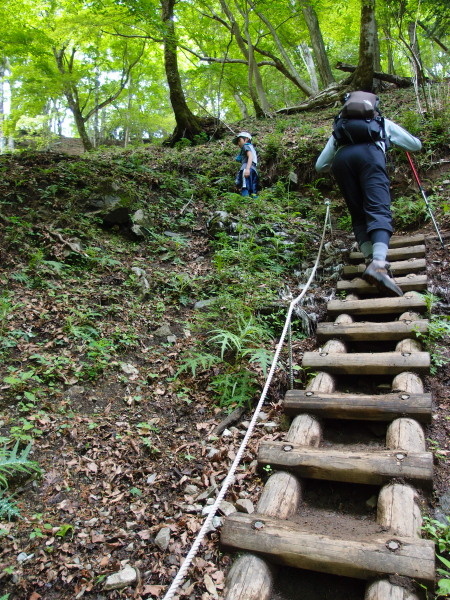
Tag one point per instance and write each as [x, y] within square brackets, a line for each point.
[238, 350]
[12, 463]
[8, 508]
[438, 330]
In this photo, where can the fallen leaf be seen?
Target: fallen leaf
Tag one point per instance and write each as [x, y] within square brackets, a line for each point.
[209, 584]
[155, 590]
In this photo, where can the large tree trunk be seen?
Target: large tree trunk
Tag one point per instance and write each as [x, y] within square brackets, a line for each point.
[363, 76]
[188, 125]
[312, 22]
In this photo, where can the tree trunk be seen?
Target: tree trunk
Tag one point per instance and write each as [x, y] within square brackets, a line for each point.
[242, 106]
[79, 122]
[188, 125]
[96, 116]
[312, 22]
[390, 55]
[259, 111]
[310, 66]
[289, 64]
[253, 71]
[3, 67]
[415, 51]
[363, 76]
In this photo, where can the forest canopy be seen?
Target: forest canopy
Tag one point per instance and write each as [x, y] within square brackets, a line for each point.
[125, 71]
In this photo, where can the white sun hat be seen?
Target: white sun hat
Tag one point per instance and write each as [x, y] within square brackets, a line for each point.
[243, 134]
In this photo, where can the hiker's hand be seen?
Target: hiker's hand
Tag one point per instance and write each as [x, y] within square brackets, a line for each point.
[247, 173]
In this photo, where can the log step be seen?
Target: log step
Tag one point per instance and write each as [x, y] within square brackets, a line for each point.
[394, 254]
[399, 241]
[361, 287]
[410, 302]
[382, 407]
[286, 543]
[402, 267]
[372, 332]
[376, 467]
[367, 363]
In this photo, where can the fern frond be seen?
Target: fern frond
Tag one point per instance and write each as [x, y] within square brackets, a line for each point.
[198, 361]
[8, 509]
[226, 340]
[259, 355]
[13, 461]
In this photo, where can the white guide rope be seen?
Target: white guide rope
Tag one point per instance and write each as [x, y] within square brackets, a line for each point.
[230, 477]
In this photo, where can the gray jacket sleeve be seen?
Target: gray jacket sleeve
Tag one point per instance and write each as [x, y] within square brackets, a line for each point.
[400, 137]
[323, 164]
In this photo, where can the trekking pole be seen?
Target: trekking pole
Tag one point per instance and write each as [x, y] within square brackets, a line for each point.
[424, 196]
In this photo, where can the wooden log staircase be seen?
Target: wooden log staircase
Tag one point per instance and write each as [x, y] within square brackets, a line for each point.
[274, 535]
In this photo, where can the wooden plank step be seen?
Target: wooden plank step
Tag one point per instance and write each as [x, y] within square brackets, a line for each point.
[380, 407]
[401, 241]
[394, 254]
[402, 267]
[376, 467]
[367, 363]
[372, 332]
[410, 302]
[286, 543]
[361, 287]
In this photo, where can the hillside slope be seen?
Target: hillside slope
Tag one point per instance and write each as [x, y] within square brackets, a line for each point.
[141, 303]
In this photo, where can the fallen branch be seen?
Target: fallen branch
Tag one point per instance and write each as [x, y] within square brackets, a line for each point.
[74, 246]
[402, 82]
[233, 417]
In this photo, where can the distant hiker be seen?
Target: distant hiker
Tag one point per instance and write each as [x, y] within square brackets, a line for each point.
[247, 178]
[355, 153]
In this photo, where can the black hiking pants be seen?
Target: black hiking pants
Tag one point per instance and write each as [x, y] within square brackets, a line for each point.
[360, 171]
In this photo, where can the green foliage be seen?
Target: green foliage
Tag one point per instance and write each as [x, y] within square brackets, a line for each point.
[65, 530]
[8, 508]
[197, 362]
[439, 532]
[237, 383]
[13, 463]
[438, 330]
[409, 212]
[236, 344]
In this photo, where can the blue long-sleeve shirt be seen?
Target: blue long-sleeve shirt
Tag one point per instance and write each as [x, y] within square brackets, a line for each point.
[396, 135]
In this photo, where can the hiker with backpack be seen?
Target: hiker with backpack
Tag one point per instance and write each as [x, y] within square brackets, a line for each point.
[247, 177]
[355, 153]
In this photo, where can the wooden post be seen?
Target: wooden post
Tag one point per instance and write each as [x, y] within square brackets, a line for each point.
[384, 590]
[252, 577]
[398, 507]
[407, 382]
[322, 382]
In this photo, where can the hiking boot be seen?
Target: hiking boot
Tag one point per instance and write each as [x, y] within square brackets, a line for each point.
[379, 275]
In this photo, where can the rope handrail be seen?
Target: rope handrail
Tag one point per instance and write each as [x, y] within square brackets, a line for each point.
[229, 478]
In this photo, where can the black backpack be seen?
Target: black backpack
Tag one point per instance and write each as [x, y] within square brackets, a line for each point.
[359, 121]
